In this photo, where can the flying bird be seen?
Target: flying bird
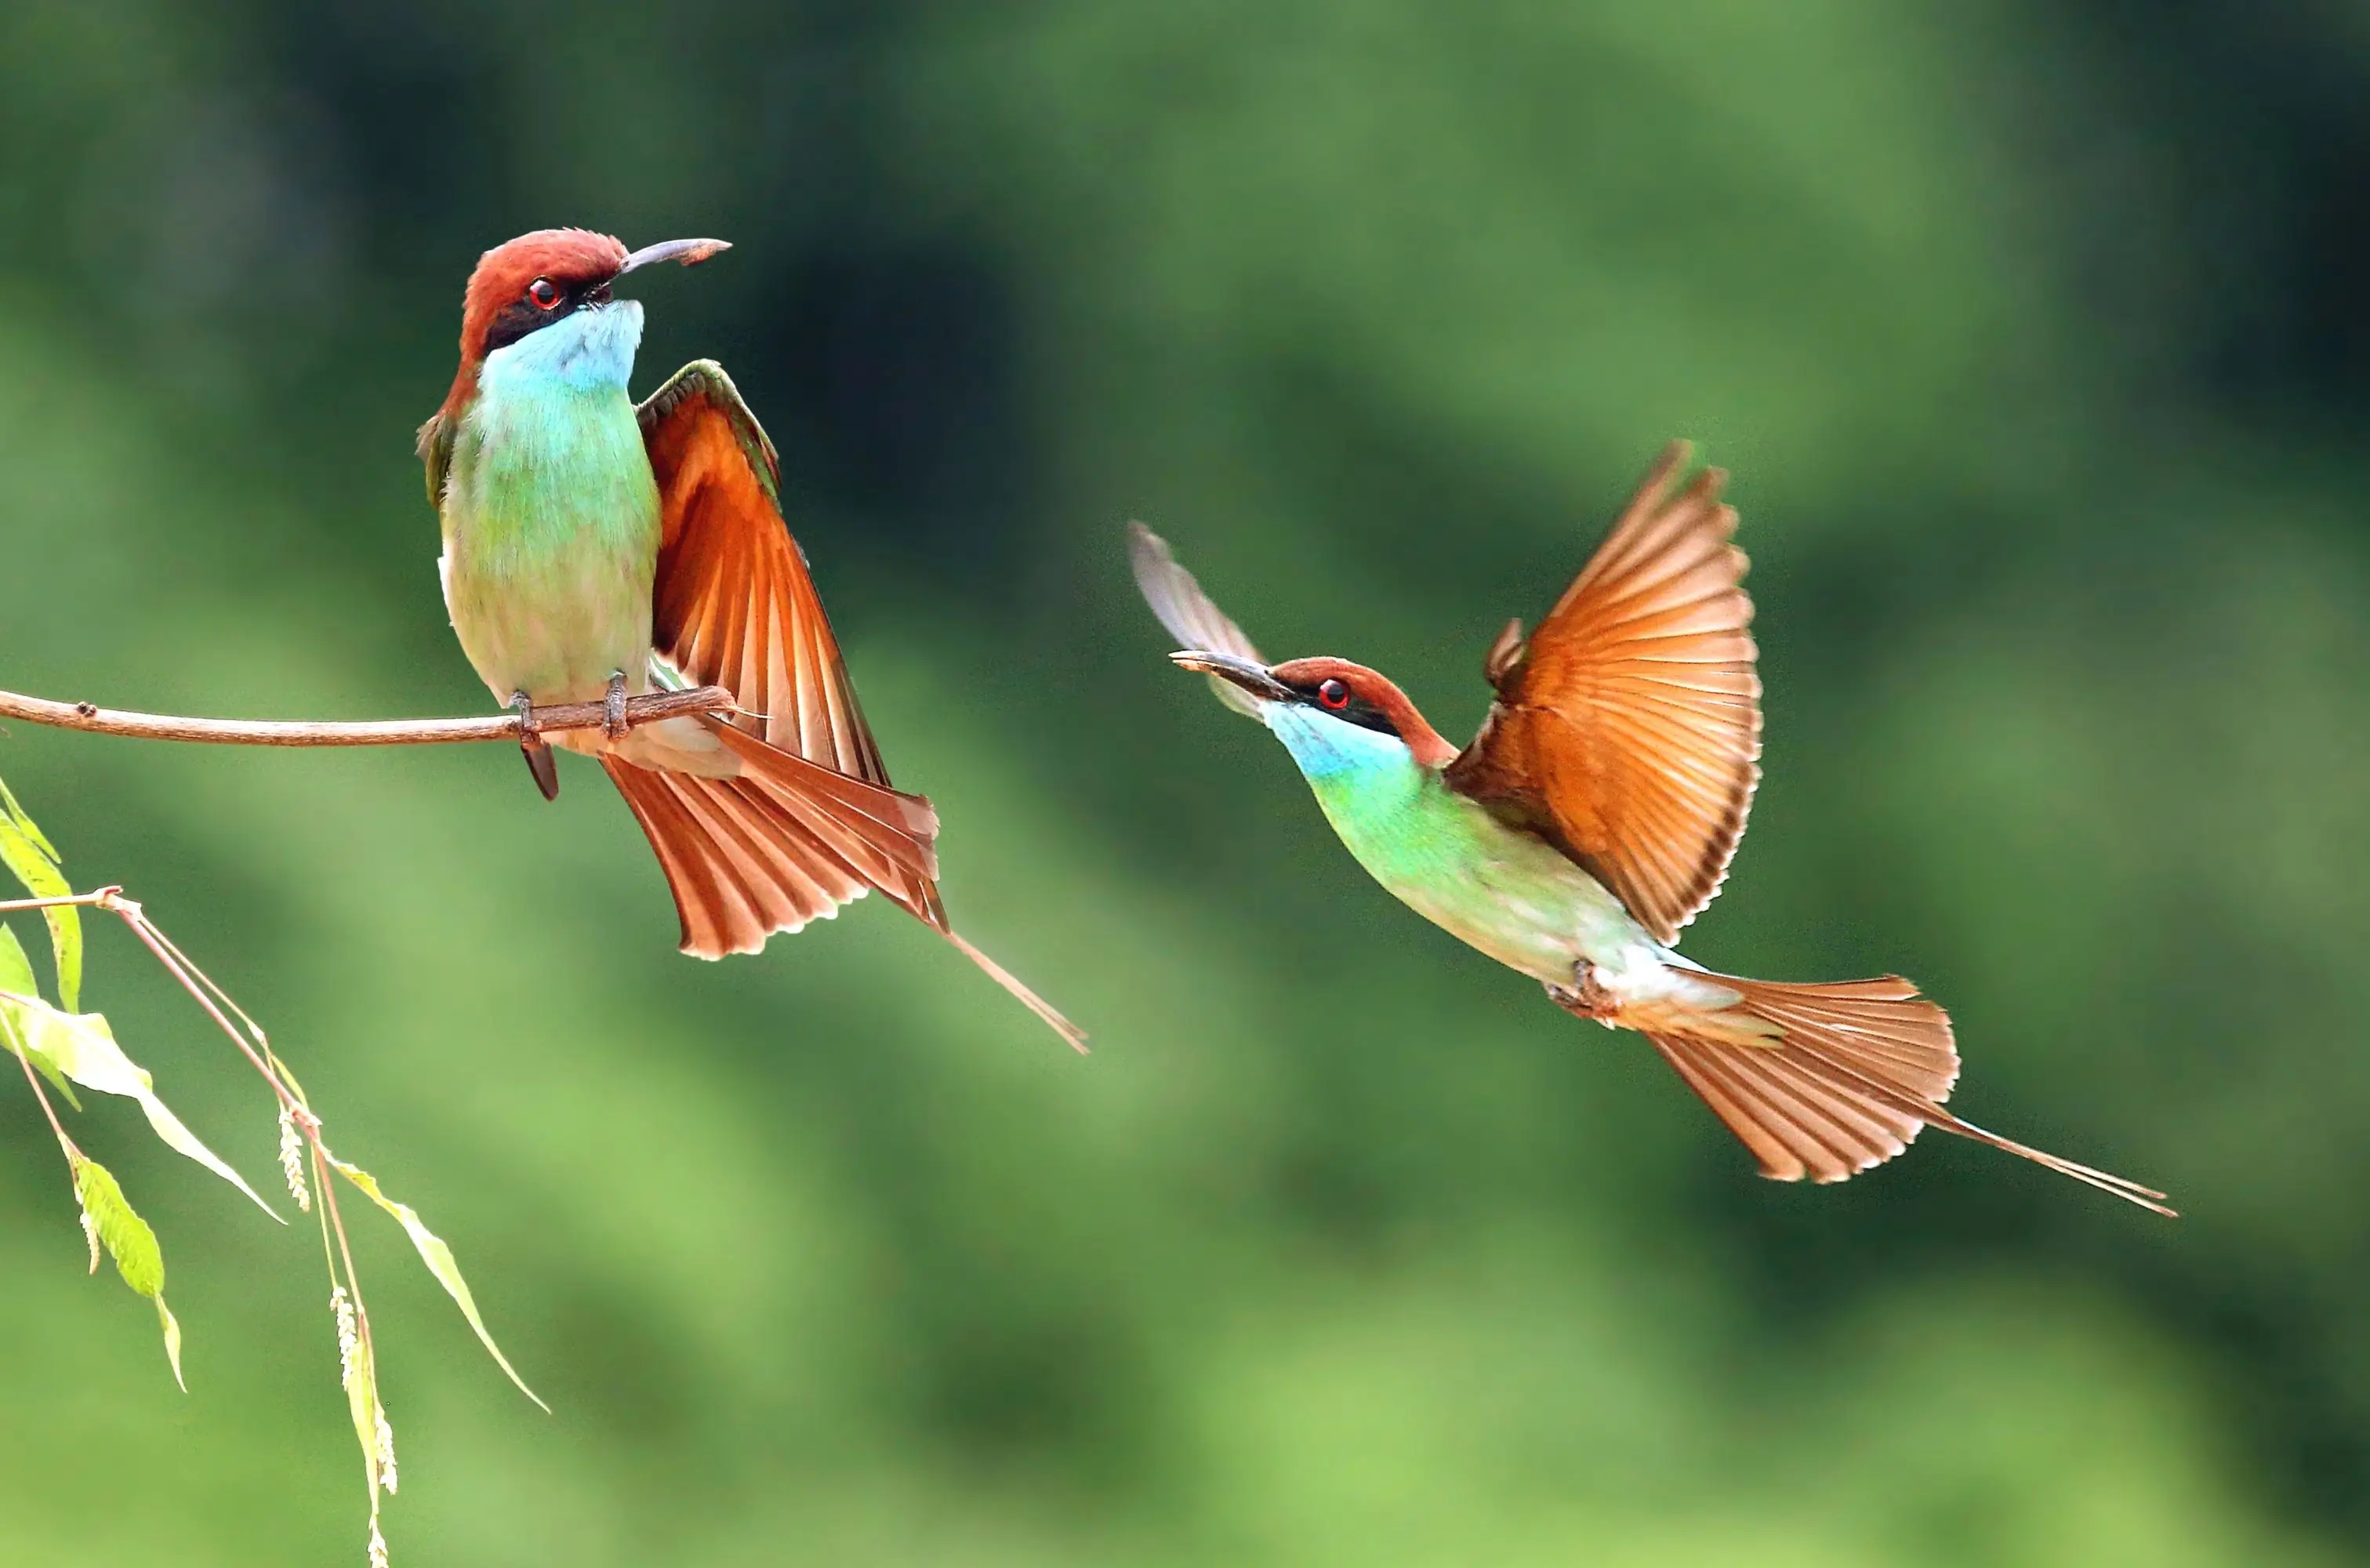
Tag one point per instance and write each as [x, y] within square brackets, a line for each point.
[593, 545]
[1595, 815]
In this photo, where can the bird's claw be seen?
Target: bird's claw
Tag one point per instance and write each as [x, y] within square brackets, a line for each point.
[613, 708]
[1586, 996]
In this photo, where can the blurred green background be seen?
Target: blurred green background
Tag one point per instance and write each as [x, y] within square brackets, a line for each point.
[2036, 339]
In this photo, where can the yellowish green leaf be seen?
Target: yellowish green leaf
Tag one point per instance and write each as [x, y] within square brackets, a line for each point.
[130, 1242]
[82, 1047]
[358, 1372]
[172, 1341]
[15, 814]
[439, 1262]
[27, 854]
[122, 1232]
[16, 969]
[360, 1369]
[17, 977]
[66, 947]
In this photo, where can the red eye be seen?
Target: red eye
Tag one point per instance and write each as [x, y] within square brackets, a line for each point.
[546, 293]
[1333, 694]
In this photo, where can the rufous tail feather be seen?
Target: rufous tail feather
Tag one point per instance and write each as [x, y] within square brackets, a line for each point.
[1027, 997]
[1862, 1067]
[789, 841]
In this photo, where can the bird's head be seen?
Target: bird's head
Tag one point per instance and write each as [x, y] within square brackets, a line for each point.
[1330, 713]
[552, 277]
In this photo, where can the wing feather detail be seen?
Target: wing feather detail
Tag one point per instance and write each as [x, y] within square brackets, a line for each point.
[1196, 623]
[1628, 728]
[734, 604]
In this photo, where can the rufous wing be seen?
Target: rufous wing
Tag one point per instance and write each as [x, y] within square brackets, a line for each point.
[810, 822]
[1626, 727]
[734, 604]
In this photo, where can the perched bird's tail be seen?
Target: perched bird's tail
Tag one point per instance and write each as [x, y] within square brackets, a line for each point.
[787, 841]
[1858, 1069]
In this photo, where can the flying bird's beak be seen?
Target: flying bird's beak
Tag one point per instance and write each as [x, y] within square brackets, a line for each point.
[690, 252]
[1251, 676]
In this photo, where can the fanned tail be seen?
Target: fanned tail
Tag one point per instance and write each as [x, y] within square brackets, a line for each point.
[775, 848]
[1862, 1067]
[789, 841]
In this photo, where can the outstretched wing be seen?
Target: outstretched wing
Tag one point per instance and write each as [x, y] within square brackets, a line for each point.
[1197, 624]
[1628, 727]
[734, 604]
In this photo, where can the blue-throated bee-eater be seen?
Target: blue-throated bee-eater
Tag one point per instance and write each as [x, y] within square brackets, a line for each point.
[592, 545]
[1595, 815]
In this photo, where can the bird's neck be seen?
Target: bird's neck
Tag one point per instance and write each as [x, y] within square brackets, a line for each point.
[587, 353]
[1502, 890]
[549, 418]
[1331, 750]
[1372, 788]
[547, 460]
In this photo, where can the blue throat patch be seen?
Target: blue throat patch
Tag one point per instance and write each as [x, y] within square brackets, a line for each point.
[1325, 746]
[590, 349]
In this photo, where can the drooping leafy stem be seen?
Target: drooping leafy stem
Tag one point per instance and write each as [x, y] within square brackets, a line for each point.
[71, 1048]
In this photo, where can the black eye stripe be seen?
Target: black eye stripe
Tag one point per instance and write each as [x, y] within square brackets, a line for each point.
[1350, 707]
[523, 315]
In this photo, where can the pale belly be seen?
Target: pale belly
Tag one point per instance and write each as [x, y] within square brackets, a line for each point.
[555, 628]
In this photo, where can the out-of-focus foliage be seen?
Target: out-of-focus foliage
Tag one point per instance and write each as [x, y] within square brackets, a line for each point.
[69, 1048]
[2036, 341]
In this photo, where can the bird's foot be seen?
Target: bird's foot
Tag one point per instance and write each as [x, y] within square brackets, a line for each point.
[613, 707]
[1586, 996]
[539, 760]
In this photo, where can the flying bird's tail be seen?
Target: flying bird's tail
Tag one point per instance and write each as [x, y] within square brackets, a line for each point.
[787, 841]
[1857, 1069]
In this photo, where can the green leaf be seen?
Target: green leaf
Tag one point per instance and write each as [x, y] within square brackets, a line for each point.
[24, 823]
[439, 1259]
[130, 1242]
[37, 867]
[123, 1233]
[16, 969]
[17, 976]
[172, 1340]
[358, 1371]
[66, 949]
[81, 1046]
[361, 1378]
[25, 852]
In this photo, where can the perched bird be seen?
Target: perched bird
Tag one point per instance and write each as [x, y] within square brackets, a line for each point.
[1595, 815]
[592, 545]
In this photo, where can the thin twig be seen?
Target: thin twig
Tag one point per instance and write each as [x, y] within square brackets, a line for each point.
[65, 1142]
[644, 710]
[378, 1463]
[99, 898]
[322, 1158]
[157, 944]
[254, 1029]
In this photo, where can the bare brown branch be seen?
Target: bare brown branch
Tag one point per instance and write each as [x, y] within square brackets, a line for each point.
[87, 900]
[382, 732]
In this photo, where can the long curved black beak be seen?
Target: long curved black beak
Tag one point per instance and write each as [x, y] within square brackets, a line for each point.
[690, 252]
[1252, 677]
